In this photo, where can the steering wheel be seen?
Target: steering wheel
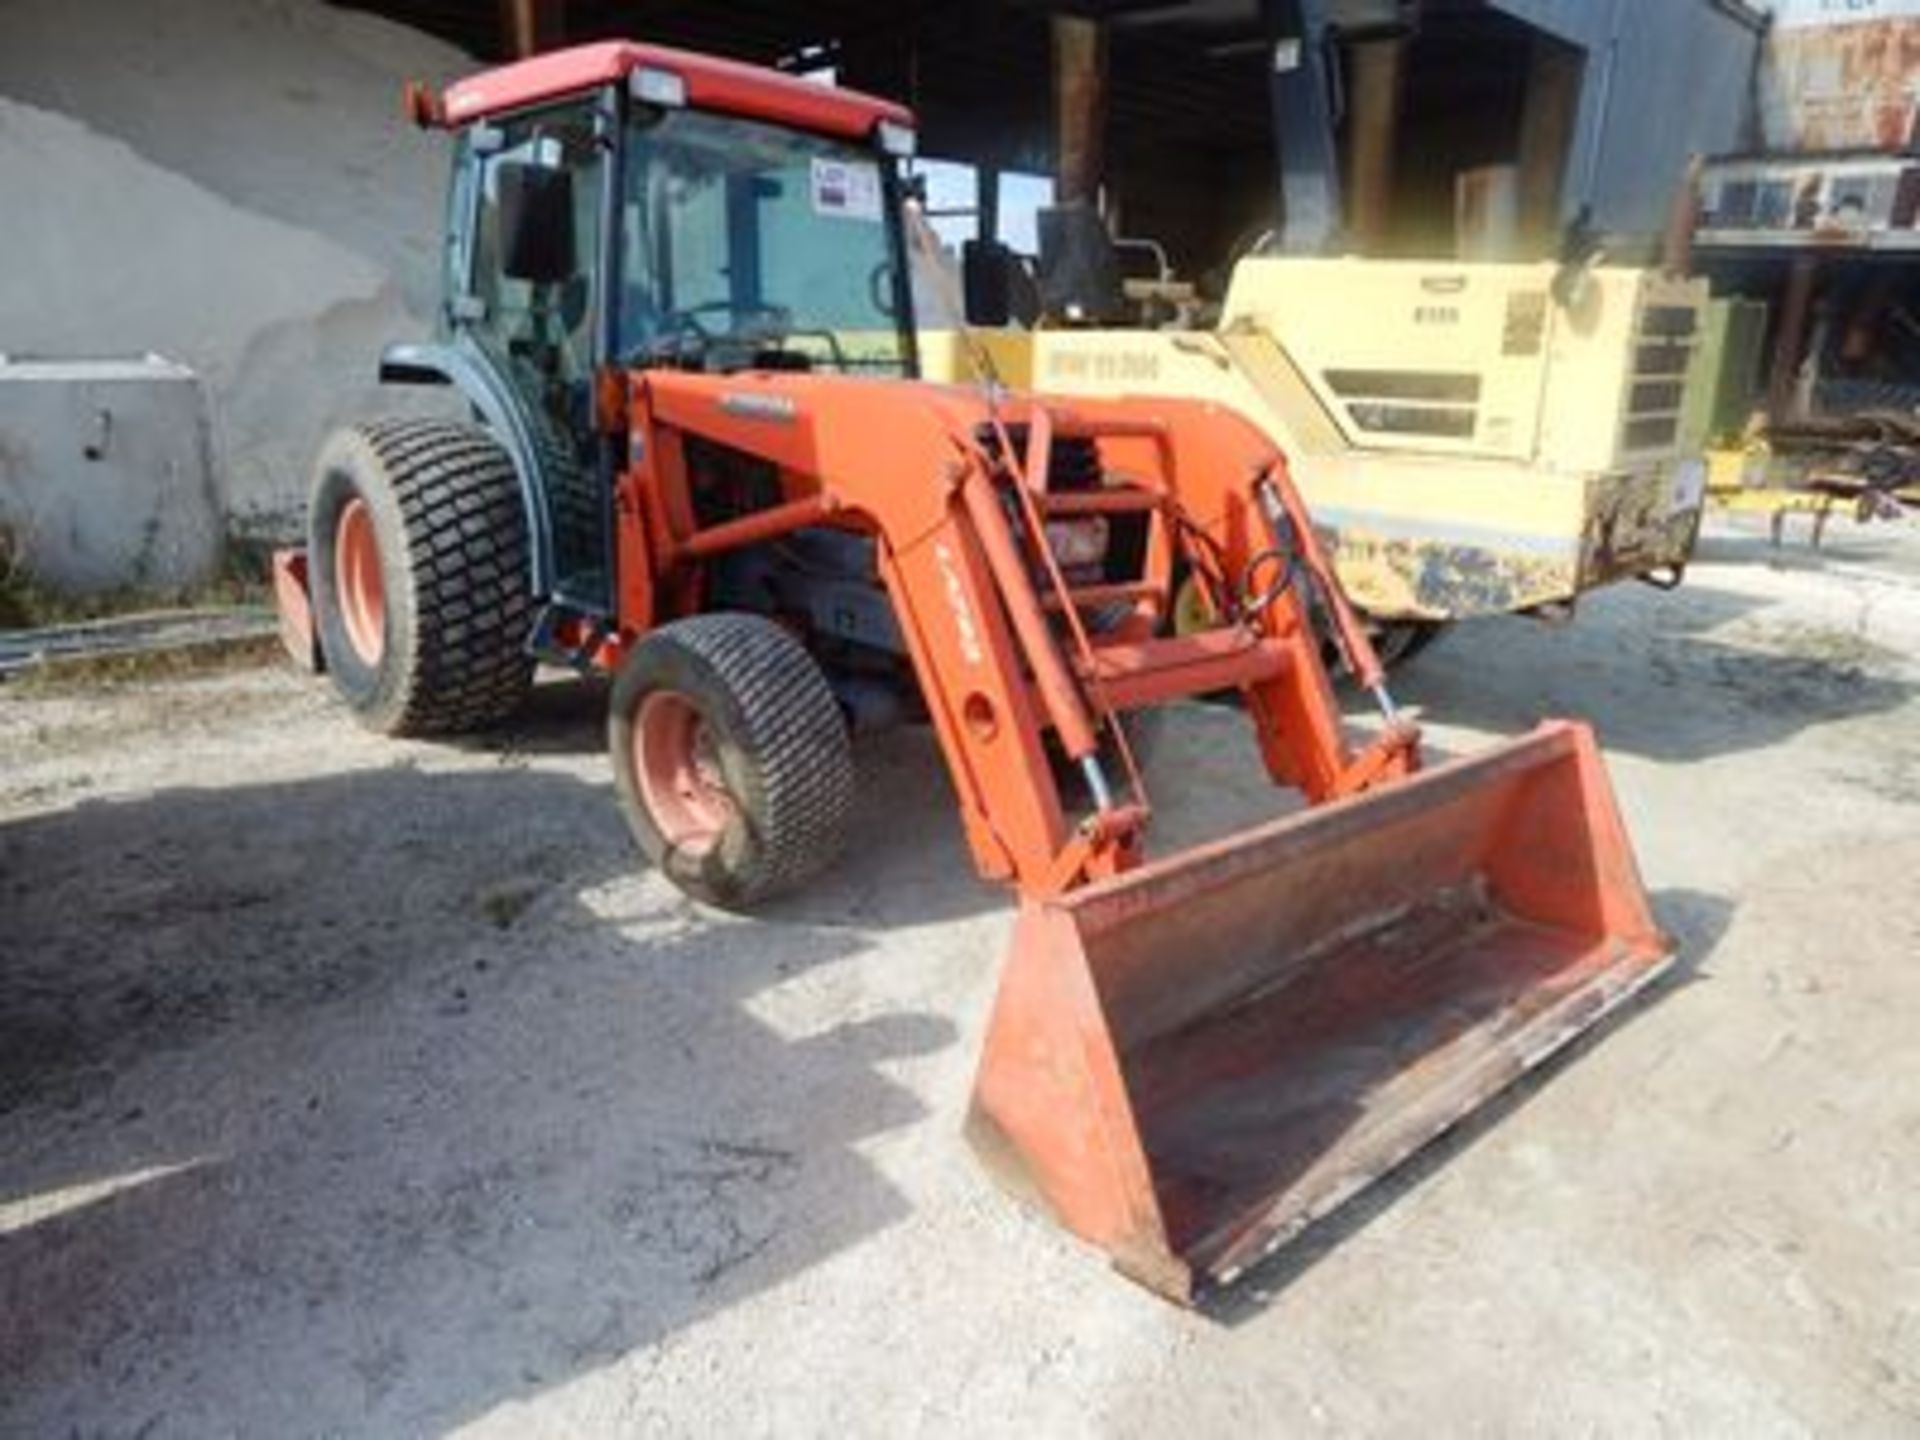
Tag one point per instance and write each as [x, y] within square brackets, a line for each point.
[687, 322]
[689, 316]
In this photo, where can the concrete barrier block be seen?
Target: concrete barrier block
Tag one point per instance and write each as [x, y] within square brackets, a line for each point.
[106, 475]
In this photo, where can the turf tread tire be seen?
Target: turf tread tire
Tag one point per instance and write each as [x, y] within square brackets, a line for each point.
[784, 747]
[454, 554]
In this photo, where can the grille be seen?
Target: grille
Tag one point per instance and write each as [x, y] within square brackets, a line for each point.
[1657, 389]
[1669, 322]
[1410, 402]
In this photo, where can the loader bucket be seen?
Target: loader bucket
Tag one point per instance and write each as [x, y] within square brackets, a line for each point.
[1190, 1062]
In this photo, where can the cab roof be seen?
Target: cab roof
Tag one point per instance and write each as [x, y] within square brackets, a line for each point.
[729, 86]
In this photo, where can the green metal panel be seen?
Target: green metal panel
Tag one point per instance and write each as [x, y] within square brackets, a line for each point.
[1724, 383]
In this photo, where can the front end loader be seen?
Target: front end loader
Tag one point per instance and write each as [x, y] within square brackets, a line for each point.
[700, 462]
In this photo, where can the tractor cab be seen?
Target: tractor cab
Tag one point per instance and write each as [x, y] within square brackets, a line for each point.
[638, 208]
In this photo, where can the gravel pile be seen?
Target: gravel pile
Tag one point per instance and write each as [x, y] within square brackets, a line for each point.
[229, 183]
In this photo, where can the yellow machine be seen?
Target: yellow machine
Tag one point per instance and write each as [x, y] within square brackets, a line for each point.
[1475, 438]
[1753, 479]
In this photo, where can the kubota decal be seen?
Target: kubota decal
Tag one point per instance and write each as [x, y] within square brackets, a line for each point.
[748, 406]
[963, 621]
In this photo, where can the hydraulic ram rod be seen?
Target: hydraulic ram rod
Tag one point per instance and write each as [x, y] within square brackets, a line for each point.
[1058, 693]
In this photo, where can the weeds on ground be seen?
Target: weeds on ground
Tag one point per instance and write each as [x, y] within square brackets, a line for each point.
[244, 578]
[181, 662]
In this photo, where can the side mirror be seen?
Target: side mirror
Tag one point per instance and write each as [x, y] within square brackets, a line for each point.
[535, 222]
[1080, 276]
[986, 282]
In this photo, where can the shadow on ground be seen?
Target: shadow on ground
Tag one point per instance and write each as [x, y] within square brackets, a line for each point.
[1846, 544]
[1679, 692]
[366, 1104]
[563, 715]
[374, 1102]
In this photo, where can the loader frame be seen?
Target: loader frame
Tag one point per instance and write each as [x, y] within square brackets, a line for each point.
[959, 520]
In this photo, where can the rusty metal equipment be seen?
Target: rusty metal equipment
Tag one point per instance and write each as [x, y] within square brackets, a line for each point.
[1194, 1060]
[717, 480]
[1778, 475]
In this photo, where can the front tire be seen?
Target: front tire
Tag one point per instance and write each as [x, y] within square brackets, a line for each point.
[731, 758]
[418, 557]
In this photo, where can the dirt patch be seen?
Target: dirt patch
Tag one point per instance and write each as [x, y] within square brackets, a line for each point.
[355, 1087]
[1800, 667]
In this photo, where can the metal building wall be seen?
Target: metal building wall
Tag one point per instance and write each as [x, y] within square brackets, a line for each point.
[1665, 79]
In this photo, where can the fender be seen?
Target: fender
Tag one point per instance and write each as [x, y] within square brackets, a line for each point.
[465, 366]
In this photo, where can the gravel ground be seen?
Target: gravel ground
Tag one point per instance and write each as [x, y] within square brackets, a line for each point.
[352, 1087]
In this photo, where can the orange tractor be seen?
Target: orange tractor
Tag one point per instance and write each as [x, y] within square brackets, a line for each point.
[678, 310]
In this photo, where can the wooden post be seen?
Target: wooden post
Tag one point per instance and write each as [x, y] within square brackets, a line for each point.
[529, 26]
[1554, 76]
[1683, 219]
[986, 193]
[1791, 339]
[1080, 108]
[1379, 69]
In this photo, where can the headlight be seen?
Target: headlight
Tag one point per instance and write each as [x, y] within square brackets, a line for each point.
[896, 139]
[667, 88]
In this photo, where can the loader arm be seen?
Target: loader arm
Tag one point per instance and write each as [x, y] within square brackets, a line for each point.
[957, 507]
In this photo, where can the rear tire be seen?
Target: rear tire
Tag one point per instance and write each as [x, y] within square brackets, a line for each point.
[731, 758]
[418, 553]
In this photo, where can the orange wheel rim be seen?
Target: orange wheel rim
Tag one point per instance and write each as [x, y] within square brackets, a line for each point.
[676, 761]
[356, 580]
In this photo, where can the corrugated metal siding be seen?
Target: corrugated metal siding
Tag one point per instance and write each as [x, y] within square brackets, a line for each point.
[1666, 79]
[1843, 78]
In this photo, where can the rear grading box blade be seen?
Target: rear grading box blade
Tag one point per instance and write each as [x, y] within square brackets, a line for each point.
[1190, 1062]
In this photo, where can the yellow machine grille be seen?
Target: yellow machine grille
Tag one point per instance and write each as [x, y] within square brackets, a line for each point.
[1409, 402]
[1656, 389]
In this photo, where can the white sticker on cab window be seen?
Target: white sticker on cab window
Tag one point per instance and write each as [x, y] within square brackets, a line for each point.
[846, 189]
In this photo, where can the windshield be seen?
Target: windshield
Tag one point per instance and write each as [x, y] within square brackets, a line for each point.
[747, 244]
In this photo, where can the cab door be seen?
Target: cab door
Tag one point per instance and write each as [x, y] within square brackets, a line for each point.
[528, 293]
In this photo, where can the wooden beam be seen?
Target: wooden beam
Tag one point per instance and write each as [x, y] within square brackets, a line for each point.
[1080, 108]
[1683, 220]
[529, 26]
[1379, 70]
[1790, 340]
[1554, 76]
